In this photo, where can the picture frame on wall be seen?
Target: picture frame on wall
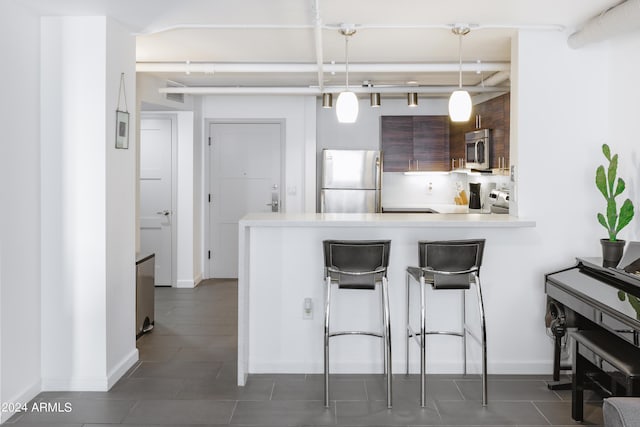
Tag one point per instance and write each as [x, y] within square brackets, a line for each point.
[122, 129]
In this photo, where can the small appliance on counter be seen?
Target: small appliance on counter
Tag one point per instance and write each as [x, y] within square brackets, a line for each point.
[474, 196]
[351, 181]
[499, 201]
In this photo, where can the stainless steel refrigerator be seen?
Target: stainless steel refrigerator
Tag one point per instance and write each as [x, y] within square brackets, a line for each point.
[351, 181]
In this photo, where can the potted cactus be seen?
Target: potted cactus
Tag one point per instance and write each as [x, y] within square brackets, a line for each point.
[613, 220]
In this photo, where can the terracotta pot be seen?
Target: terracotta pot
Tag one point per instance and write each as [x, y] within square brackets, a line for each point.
[611, 252]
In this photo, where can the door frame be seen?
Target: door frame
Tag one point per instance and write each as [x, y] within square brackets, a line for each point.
[207, 175]
[173, 117]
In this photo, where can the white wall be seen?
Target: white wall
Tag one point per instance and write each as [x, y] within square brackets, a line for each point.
[120, 204]
[299, 114]
[88, 279]
[20, 200]
[623, 113]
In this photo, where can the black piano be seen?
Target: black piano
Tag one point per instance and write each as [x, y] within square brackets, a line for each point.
[591, 297]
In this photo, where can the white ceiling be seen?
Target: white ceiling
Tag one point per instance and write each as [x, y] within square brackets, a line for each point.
[252, 33]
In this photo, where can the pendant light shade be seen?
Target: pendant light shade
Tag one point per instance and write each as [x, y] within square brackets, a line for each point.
[347, 107]
[460, 106]
[347, 103]
[460, 101]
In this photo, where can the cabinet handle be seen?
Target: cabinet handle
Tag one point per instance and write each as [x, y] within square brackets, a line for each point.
[409, 164]
[417, 165]
[453, 164]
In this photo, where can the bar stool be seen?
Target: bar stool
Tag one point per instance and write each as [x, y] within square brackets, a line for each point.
[359, 265]
[447, 265]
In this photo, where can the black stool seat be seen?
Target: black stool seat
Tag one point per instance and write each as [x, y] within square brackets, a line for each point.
[592, 349]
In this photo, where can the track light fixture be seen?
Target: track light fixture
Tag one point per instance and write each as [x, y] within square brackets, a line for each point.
[412, 99]
[347, 103]
[374, 98]
[327, 100]
[460, 101]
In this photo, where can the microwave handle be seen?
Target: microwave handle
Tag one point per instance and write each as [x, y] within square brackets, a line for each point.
[477, 158]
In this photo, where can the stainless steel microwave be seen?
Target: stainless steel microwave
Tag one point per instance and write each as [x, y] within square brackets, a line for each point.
[477, 152]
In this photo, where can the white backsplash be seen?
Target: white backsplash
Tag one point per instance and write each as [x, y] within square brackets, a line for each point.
[432, 188]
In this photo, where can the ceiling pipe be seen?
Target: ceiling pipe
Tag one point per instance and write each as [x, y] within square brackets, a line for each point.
[284, 90]
[496, 79]
[318, 39]
[213, 67]
[333, 27]
[620, 19]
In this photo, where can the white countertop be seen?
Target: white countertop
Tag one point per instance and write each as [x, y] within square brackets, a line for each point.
[457, 220]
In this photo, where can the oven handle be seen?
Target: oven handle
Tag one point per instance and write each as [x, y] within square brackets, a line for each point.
[476, 150]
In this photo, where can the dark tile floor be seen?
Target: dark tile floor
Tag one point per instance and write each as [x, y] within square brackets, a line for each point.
[186, 377]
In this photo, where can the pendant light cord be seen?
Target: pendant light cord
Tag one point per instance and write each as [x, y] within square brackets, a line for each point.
[460, 60]
[346, 58]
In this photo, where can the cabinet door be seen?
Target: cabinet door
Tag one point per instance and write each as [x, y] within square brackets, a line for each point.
[431, 143]
[457, 130]
[396, 135]
[493, 118]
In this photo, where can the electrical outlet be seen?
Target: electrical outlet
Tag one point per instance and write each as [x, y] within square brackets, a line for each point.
[307, 309]
[430, 188]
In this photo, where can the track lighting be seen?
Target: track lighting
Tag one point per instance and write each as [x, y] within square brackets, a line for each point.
[327, 100]
[412, 99]
[374, 98]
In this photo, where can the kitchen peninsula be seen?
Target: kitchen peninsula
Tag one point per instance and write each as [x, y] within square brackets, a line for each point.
[281, 265]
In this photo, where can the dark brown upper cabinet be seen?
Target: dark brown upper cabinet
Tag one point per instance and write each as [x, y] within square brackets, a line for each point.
[415, 143]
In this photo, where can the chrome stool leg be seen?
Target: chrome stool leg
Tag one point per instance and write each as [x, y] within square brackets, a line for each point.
[387, 339]
[327, 308]
[483, 340]
[464, 332]
[423, 344]
[408, 335]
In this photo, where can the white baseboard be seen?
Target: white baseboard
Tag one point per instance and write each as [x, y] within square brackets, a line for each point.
[92, 383]
[24, 397]
[185, 284]
[198, 279]
[121, 368]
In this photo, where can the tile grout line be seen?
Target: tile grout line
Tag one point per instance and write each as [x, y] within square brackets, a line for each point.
[233, 411]
[540, 412]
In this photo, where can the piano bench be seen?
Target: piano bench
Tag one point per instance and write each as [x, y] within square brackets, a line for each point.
[598, 351]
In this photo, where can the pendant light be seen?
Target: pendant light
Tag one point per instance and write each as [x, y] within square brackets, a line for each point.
[460, 101]
[347, 103]
[327, 100]
[412, 99]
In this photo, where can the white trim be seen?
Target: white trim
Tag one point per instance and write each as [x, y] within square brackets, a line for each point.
[185, 284]
[197, 280]
[23, 397]
[75, 384]
[121, 368]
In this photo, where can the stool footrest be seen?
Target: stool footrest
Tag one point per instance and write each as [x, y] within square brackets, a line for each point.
[372, 334]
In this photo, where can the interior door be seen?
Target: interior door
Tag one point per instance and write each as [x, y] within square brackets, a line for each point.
[156, 194]
[245, 177]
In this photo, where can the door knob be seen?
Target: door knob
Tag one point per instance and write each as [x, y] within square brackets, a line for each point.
[274, 203]
[165, 213]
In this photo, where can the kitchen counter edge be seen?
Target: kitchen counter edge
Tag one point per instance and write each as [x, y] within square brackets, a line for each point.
[384, 220]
